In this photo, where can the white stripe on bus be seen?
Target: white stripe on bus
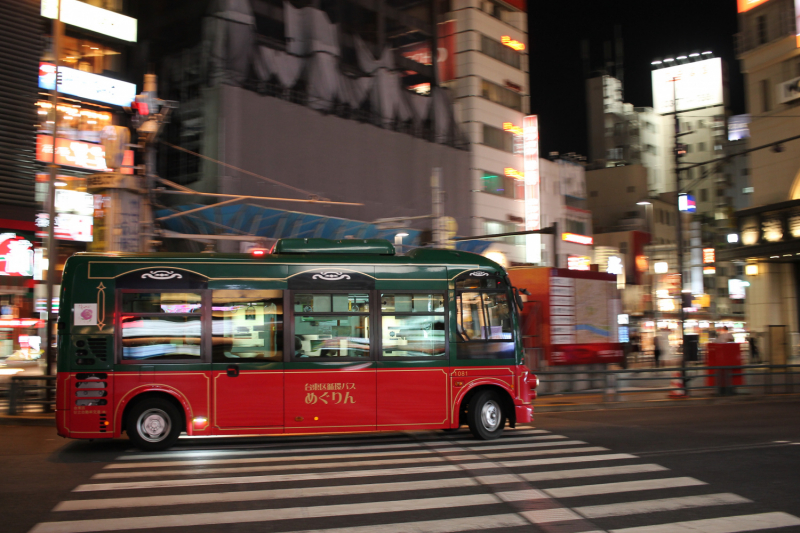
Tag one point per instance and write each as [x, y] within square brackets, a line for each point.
[254, 495]
[665, 504]
[261, 515]
[624, 486]
[728, 524]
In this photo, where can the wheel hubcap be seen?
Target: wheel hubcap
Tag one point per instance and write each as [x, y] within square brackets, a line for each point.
[154, 425]
[490, 415]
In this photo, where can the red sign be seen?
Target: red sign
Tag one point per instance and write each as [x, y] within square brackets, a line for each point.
[585, 354]
[747, 5]
[708, 255]
[16, 255]
[21, 323]
[446, 59]
[577, 239]
[512, 43]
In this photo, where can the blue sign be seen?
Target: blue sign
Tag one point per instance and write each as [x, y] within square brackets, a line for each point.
[87, 85]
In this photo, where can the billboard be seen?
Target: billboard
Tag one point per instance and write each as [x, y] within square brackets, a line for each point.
[16, 255]
[697, 84]
[92, 18]
[446, 52]
[87, 85]
[530, 142]
[78, 154]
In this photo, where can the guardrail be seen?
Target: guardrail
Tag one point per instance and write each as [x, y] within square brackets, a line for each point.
[31, 390]
[724, 380]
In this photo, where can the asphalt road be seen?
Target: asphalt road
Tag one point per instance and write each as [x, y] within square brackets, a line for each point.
[712, 469]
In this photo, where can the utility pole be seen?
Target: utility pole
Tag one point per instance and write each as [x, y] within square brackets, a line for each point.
[679, 222]
[52, 251]
[438, 208]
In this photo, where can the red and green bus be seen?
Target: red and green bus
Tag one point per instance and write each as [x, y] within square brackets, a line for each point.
[313, 336]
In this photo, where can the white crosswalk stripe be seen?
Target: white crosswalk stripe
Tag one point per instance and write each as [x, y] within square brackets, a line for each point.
[419, 483]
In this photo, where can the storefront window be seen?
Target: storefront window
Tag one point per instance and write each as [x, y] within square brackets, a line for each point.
[89, 56]
[75, 122]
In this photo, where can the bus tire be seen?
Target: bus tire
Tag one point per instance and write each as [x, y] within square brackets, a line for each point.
[153, 424]
[485, 415]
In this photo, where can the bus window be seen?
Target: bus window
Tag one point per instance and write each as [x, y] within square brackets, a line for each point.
[499, 316]
[161, 326]
[331, 325]
[247, 324]
[412, 325]
[471, 321]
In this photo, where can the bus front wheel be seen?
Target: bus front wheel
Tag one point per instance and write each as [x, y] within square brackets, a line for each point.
[153, 424]
[485, 415]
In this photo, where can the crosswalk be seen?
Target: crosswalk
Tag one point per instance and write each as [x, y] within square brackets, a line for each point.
[529, 480]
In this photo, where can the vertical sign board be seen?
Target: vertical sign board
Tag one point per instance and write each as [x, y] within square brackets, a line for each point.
[530, 133]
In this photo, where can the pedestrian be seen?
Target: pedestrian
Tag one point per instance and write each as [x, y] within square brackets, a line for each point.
[725, 336]
[658, 348]
[755, 358]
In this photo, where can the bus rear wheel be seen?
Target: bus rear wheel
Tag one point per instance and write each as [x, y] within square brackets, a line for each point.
[485, 415]
[153, 424]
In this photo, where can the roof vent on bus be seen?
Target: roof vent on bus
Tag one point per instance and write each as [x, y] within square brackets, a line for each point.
[329, 246]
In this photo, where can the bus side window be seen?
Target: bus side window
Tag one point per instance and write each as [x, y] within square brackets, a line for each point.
[161, 325]
[484, 316]
[247, 324]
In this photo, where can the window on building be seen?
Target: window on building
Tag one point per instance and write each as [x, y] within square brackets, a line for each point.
[623, 247]
[766, 101]
[495, 9]
[631, 188]
[745, 172]
[89, 56]
[501, 95]
[593, 194]
[720, 192]
[576, 226]
[761, 29]
[689, 173]
[497, 138]
[493, 227]
[701, 147]
[703, 195]
[499, 51]
[688, 148]
[500, 185]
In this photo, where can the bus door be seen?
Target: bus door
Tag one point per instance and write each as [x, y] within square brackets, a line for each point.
[247, 360]
[413, 362]
[330, 366]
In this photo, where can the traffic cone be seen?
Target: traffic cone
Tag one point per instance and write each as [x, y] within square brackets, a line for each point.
[677, 383]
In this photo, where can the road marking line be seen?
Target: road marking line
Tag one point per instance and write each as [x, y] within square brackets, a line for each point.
[473, 523]
[665, 504]
[623, 486]
[563, 460]
[275, 494]
[545, 452]
[525, 445]
[286, 448]
[546, 516]
[728, 524]
[521, 495]
[261, 515]
[164, 483]
[269, 468]
[592, 472]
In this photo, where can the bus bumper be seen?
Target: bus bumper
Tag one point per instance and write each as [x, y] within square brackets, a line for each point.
[524, 413]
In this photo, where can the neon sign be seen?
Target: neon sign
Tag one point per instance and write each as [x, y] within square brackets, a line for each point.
[577, 239]
[512, 43]
[708, 255]
[533, 246]
[516, 130]
[16, 255]
[579, 262]
[513, 173]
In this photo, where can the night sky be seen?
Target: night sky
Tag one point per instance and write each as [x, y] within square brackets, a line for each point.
[650, 29]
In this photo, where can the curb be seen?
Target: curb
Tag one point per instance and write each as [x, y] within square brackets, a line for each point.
[647, 404]
[22, 420]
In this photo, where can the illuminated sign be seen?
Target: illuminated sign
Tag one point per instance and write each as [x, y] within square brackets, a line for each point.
[686, 203]
[16, 255]
[662, 267]
[579, 262]
[699, 84]
[708, 255]
[641, 263]
[530, 142]
[516, 130]
[751, 270]
[445, 54]
[88, 17]
[21, 323]
[789, 90]
[797, 22]
[736, 289]
[747, 5]
[78, 154]
[577, 239]
[87, 85]
[739, 125]
[709, 271]
[513, 173]
[512, 43]
[615, 265]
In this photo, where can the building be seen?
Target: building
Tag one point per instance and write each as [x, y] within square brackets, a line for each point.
[563, 200]
[92, 93]
[767, 48]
